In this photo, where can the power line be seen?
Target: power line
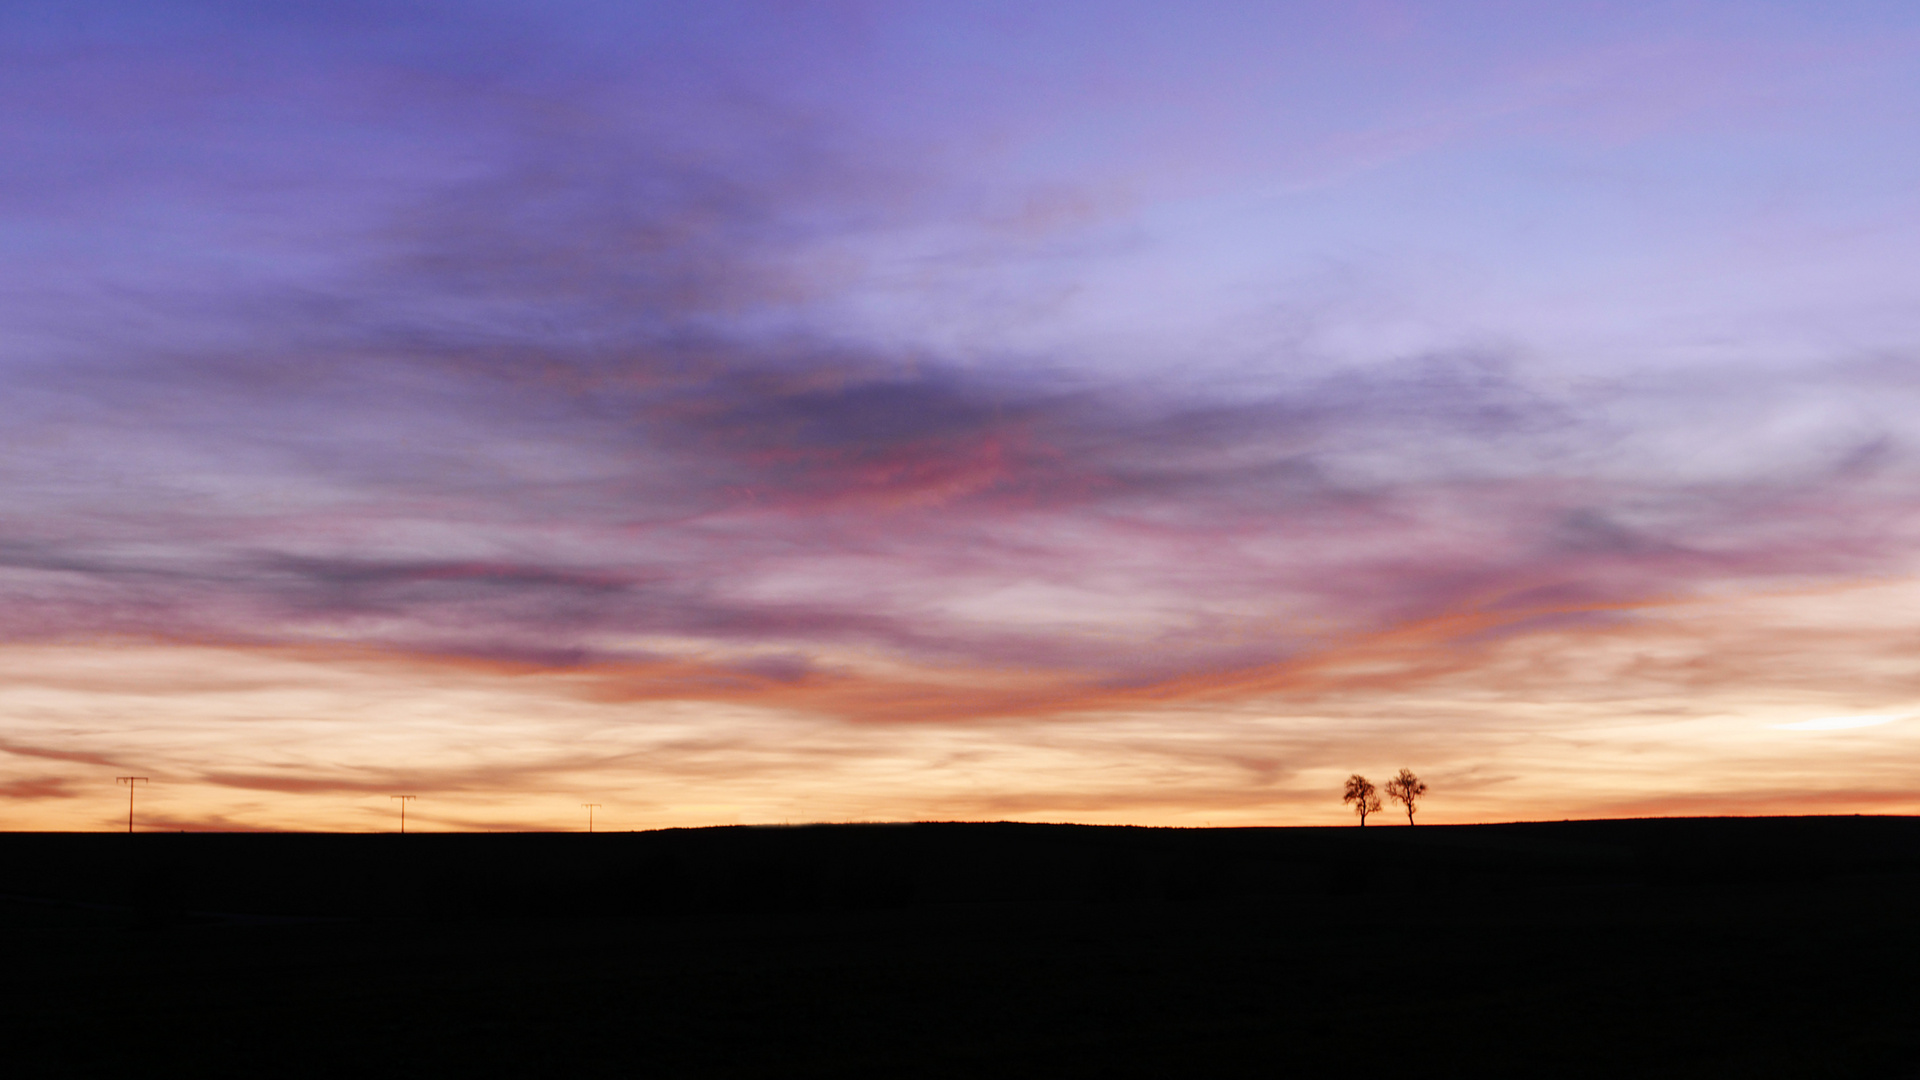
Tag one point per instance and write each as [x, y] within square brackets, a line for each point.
[130, 781]
[403, 810]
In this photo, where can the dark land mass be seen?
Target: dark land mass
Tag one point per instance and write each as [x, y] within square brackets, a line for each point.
[1676, 947]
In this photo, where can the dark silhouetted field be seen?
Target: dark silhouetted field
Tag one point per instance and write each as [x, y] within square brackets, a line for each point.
[1716, 947]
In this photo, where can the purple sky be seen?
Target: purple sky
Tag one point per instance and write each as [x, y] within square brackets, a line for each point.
[1075, 411]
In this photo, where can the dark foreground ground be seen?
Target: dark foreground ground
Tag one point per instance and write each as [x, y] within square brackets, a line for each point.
[1718, 947]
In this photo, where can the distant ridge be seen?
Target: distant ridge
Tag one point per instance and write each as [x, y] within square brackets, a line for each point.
[814, 867]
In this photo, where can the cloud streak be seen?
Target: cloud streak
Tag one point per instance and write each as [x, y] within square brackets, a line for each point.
[951, 518]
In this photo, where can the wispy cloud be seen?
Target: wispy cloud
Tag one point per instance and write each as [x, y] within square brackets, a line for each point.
[947, 516]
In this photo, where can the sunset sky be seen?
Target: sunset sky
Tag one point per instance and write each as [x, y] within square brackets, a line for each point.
[1100, 412]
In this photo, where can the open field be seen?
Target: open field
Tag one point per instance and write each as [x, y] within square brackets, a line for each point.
[1680, 947]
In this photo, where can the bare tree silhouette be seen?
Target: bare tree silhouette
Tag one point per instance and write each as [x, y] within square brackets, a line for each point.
[1406, 789]
[1361, 794]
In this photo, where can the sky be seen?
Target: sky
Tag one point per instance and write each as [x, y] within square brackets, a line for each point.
[1106, 412]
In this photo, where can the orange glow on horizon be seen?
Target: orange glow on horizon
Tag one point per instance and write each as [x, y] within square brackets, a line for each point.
[1674, 713]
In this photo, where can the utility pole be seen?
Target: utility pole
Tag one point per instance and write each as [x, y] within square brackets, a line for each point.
[403, 810]
[130, 781]
[589, 806]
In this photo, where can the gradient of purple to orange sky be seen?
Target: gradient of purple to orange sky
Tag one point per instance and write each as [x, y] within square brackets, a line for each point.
[1100, 412]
